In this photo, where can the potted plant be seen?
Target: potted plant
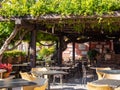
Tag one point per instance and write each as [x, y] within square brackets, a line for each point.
[7, 67]
[92, 56]
[14, 56]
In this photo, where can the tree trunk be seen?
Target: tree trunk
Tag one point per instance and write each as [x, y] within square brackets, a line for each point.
[8, 40]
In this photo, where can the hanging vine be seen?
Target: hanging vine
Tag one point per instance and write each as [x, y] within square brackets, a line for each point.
[61, 7]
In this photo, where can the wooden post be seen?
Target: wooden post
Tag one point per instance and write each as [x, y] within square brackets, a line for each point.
[33, 49]
[60, 51]
[73, 54]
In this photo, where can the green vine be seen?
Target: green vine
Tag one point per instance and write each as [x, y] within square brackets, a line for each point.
[36, 8]
[5, 30]
[45, 37]
[62, 7]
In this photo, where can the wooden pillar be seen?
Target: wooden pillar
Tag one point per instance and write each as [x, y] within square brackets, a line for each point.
[57, 45]
[60, 51]
[33, 49]
[73, 54]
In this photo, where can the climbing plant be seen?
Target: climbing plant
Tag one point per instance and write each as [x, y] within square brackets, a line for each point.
[35, 8]
[5, 30]
[62, 7]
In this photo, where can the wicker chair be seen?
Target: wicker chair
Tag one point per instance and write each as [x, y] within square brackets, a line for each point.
[86, 74]
[26, 76]
[91, 86]
[100, 74]
[39, 69]
[39, 86]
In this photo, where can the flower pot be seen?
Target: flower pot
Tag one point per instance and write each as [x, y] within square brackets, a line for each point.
[6, 74]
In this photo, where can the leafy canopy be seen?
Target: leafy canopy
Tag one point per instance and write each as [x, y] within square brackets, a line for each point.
[5, 30]
[63, 7]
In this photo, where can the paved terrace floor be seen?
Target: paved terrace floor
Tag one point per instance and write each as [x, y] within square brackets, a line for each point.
[73, 83]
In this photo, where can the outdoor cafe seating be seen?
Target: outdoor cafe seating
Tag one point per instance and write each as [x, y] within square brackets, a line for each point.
[108, 78]
[39, 69]
[41, 82]
[101, 74]
[86, 74]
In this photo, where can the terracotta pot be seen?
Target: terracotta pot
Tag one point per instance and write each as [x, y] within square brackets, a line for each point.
[6, 74]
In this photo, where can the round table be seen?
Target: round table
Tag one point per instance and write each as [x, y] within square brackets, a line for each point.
[110, 71]
[49, 72]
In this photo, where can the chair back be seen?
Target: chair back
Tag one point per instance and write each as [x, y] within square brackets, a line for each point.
[112, 76]
[101, 74]
[39, 69]
[41, 82]
[91, 86]
[26, 76]
[84, 70]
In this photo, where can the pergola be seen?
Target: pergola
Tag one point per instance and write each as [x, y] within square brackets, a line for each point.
[73, 28]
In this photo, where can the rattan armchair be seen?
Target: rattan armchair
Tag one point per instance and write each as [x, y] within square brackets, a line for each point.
[41, 82]
[26, 76]
[86, 74]
[101, 74]
[39, 69]
[91, 86]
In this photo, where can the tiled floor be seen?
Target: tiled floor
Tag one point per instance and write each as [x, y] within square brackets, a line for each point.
[73, 83]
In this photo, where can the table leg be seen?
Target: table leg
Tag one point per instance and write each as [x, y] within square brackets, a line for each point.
[48, 82]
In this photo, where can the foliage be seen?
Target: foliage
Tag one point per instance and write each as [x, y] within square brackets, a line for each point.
[45, 37]
[45, 52]
[7, 27]
[63, 7]
[5, 30]
[92, 53]
[13, 53]
[21, 8]
[5, 66]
